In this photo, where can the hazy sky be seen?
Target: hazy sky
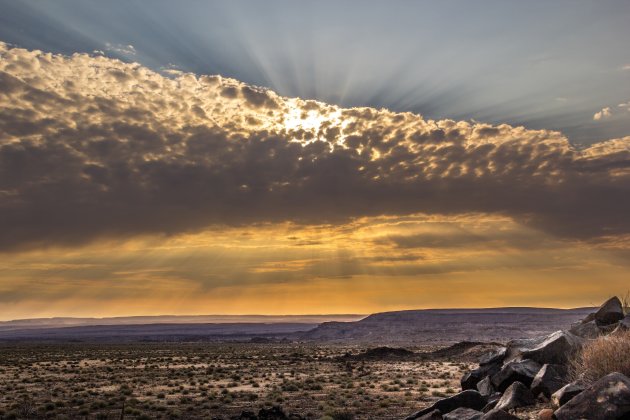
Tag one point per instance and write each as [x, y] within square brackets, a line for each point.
[156, 158]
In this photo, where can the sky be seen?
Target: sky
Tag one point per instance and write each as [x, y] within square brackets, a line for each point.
[290, 157]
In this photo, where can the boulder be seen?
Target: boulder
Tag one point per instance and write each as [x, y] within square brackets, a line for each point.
[485, 387]
[493, 357]
[588, 330]
[463, 414]
[523, 371]
[433, 415]
[517, 395]
[472, 378]
[496, 414]
[623, 325]
[467, 399]
[556, 348]
[548, 380]
[608, 398]
[492, 402]
[564, 394]
[588, 318]
[610, 312]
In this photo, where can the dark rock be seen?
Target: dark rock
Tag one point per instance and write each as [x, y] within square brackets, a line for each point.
[463, 414]
[467, 399]
[493, 357]
[496, 414]
[485, 387]
[564, 394]
[623, 325]
[610, 312]
[433, 415]
[588, 318]
[492, 402]
[472, 378]
[556, 348]
[548, 380]
[588, 330]
[523, 371]
[607, 329]
[517, 395]
[608, 398]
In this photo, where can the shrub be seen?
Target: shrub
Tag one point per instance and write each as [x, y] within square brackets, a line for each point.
[342, 415]
[602, 356]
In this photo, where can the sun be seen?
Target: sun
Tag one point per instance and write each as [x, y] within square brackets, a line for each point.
[297, 118]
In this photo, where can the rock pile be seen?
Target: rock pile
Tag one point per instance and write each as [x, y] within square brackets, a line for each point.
[530, 370]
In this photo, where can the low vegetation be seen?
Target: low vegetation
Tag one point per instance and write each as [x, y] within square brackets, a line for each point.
[212, 380]
[602, 356]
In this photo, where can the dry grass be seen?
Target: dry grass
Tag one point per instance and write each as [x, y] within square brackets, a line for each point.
[603, 356]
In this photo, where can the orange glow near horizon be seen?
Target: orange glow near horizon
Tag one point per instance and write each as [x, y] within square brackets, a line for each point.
[371, 265]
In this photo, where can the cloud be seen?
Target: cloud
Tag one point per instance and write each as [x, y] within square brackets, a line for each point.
[607, 113]
[91, 147]
[603, 114]
[120, 49]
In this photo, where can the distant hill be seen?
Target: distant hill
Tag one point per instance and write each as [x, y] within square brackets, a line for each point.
[446, 326]
[164, 328]
[59, 322]
[157, 332]
[417, 327]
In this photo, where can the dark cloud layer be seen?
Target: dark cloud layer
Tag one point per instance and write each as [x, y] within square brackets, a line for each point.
[92, 147]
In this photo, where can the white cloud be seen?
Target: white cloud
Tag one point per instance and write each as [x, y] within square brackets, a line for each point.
[603, 114]
[120, 48]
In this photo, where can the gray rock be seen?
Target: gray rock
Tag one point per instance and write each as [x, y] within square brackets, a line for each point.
[467, 399]
[496, 414]
[606, 399]
[588, 318]
[472, 378]
[433, 415]
[588, 330]
[564, 394]
[485, 387]
[623, 325]
[556, 348]
[610, 312]
[517, 395]
[463, 414]
[523, 371]
[492, 402]
[493, 357]
[548, 380]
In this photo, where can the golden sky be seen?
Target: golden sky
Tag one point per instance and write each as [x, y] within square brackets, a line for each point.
[125, 191]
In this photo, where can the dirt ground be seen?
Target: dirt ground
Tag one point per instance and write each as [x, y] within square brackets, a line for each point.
[210, 380]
